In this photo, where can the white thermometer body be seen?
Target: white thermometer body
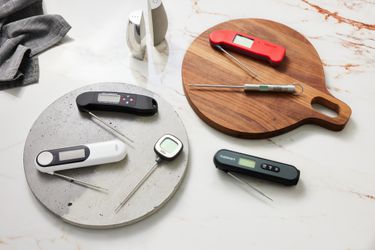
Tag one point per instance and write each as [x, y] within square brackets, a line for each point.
[49, 161]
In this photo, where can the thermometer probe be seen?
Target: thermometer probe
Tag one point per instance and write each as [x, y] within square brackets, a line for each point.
[168, 147]
[79, 182]
[239, 63]
[286, 88]
[116, 102]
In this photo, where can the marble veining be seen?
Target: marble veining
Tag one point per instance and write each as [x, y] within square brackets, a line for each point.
[331, 208]
[340, 19]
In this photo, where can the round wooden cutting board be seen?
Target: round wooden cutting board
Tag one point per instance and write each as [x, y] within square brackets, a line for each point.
[259, 115]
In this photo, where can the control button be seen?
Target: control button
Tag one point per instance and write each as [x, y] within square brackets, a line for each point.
[45, 158]
[269, 167]
[127, 102]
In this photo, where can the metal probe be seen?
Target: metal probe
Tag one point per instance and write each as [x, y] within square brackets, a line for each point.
[110, 127]
[251, 186]
[79, 182]
[286, 88]
[139, 184]
[239, 63]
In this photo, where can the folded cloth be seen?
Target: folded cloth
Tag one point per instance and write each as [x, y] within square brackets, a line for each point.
[24, 33]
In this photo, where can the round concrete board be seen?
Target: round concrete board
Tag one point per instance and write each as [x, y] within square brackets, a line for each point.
[62, 125]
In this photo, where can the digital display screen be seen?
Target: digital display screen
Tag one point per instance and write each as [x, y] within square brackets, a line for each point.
[168, 145]
[72, 154]
[246, 163]
[109, 98]
[243, 41]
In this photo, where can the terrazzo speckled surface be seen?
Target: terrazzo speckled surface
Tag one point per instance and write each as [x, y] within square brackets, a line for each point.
[62, 125]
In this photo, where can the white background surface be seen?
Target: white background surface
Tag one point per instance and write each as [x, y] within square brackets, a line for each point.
[333, 205]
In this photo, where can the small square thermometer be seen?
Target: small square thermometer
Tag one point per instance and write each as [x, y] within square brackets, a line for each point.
[168, 147]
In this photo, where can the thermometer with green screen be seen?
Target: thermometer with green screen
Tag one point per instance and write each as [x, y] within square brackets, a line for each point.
[230, 161]
[167, 148]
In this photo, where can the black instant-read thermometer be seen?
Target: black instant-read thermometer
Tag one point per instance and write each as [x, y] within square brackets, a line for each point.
[227, 160]
[116, 102]
[168, 147]
[234, 162]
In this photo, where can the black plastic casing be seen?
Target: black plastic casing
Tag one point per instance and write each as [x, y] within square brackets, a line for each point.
[55, 153]
[227, 161]
[163, 157]
[142, 105]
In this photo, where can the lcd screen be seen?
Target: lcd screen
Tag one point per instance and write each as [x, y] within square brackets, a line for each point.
[243, 41]
[169, 145]
[246, 163]
[72, 154]
[109, 98]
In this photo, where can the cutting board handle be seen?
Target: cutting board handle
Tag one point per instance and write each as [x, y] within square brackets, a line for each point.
[333, 123]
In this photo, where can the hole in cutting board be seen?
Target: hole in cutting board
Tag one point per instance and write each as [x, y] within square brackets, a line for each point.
[325, 107]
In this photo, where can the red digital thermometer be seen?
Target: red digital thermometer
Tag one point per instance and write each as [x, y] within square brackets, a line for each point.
[248, 45]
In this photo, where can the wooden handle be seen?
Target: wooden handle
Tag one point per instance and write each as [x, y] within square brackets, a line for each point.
[333, 123]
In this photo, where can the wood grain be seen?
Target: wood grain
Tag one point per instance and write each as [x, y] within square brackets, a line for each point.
[260, 115]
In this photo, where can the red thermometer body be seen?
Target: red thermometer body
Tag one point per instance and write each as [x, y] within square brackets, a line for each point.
[248, 45]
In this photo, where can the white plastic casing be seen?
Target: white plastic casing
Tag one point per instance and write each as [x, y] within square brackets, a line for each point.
[154, 3]
[99, 153]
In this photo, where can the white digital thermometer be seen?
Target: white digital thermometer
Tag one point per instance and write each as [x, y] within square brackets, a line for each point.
[51, 160]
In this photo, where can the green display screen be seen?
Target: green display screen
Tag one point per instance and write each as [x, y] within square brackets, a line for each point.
[243, 41]
[169, 145]
[246, 163]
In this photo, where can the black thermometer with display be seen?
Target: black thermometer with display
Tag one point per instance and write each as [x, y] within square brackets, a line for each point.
[116, 102]
[167, 148]
[230, 161]
[235, 162]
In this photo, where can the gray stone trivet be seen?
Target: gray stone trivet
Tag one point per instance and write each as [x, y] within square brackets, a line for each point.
[61, 124]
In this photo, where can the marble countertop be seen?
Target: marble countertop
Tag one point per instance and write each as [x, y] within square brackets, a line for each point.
[333, 205]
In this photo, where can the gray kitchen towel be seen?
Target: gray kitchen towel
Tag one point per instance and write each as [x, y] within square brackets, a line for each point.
[24, 33]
